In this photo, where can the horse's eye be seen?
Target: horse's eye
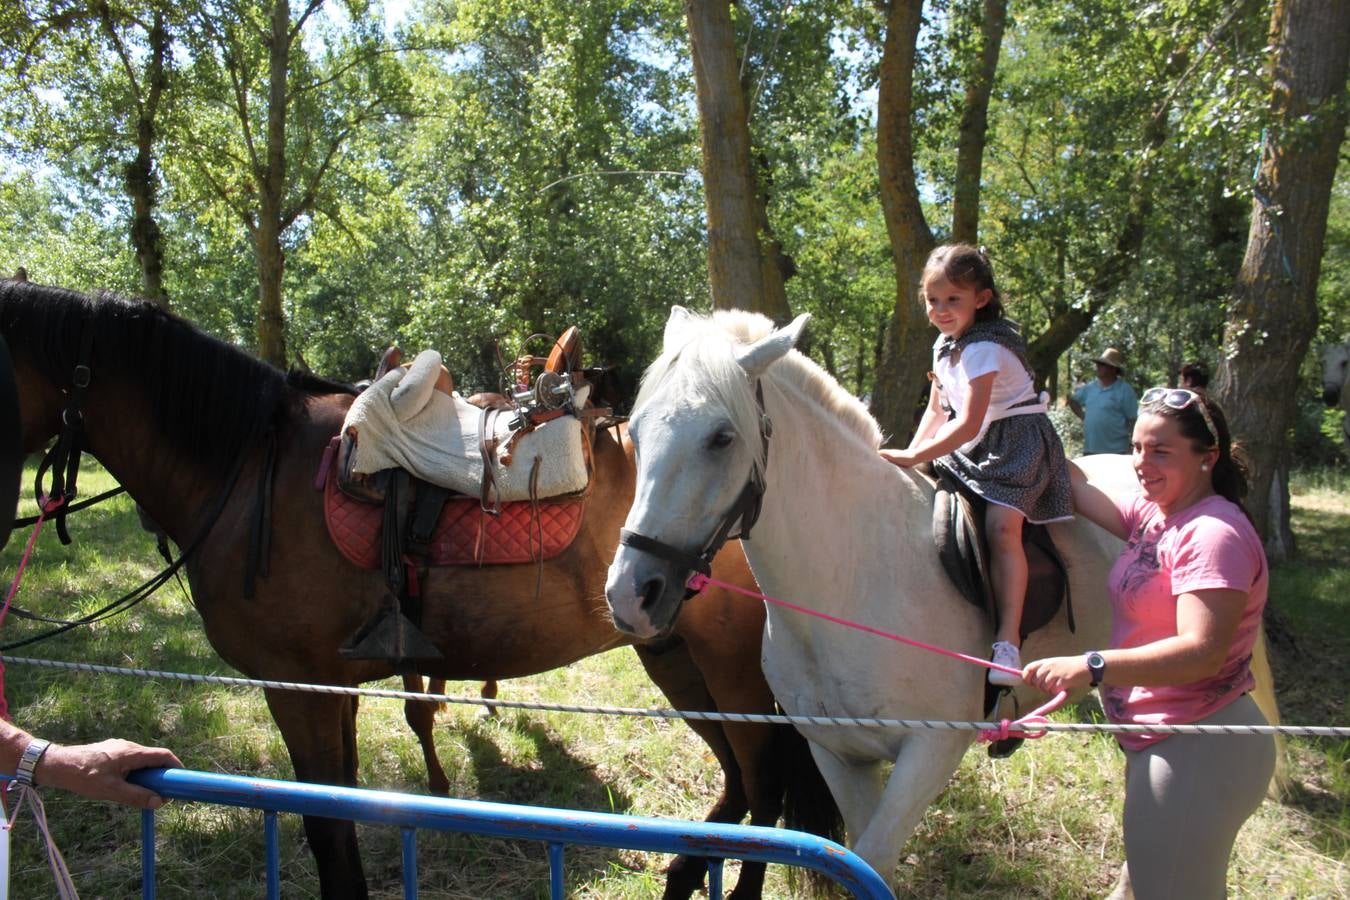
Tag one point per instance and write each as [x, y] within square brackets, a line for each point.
[720, 440]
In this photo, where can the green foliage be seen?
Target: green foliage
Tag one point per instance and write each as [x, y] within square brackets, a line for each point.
[493, 169]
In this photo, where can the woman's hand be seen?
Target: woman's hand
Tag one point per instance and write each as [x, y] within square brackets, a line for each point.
[99, 771]
[902, 458]
[1057, 673]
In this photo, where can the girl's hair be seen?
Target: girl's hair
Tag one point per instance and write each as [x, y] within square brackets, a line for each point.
[964, 265]
[1229, 476]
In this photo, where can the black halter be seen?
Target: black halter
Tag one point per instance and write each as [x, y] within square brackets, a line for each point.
[63, 459]
[744, 512]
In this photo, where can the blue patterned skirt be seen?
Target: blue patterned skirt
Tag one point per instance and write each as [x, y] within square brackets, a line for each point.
[1018, 463]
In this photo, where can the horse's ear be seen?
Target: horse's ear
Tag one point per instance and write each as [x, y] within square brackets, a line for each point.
[768, 350]
[676, 325]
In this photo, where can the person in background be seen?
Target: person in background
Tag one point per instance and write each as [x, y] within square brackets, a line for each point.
[1187, 595]
[1193, 377]
[1107, 406]
[987, 426]
[97, 771]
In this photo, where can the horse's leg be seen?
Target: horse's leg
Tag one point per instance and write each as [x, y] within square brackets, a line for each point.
[856, 786]
[672, 669]
[489, 692]
[320, 735]
[923, 767]
[421, 718]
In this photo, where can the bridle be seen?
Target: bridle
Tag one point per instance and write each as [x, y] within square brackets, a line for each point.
[63, 459]
[744, 512]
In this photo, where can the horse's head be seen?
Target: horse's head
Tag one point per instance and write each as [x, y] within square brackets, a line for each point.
[1335, 367]
[701, 439]
[39, 393]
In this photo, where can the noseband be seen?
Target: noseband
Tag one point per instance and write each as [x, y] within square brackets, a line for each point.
[744, 512]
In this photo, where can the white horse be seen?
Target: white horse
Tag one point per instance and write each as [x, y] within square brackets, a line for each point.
[1335, 369]
[841, 531]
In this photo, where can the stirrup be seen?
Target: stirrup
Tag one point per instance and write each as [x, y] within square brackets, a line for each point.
[390, 635]
[1008, 746]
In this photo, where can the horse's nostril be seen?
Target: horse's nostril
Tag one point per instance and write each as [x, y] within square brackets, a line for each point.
[652, 591]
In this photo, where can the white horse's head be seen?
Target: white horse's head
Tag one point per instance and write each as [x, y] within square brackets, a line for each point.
[701, 438]
[1335, 367]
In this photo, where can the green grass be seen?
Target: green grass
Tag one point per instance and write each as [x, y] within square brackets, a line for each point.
[1045, 823]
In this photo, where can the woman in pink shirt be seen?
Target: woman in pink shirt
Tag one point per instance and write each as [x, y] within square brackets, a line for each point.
[1187, 595]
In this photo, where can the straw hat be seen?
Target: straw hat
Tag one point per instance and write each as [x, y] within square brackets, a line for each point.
[1113, 357]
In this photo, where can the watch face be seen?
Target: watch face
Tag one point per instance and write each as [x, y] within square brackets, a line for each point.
[1096, 661]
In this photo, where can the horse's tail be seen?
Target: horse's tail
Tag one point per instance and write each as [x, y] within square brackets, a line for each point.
[1264, 695]
[808, 804]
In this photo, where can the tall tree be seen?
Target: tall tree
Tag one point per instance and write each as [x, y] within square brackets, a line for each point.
[906, 349]
[292, 105]
[740, 272]
[974, 128]
[1273, 313]
[87, 85]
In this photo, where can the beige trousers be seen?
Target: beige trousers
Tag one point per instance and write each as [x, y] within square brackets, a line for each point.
[1186, 797]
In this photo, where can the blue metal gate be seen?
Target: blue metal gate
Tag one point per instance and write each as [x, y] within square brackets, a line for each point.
[555, 827]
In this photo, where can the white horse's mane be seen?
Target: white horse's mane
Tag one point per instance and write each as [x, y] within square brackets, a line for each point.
[699, 360]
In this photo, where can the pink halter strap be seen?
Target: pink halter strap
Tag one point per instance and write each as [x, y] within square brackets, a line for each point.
[45, 507]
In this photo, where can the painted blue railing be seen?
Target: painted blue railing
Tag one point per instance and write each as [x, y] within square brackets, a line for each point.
[555, 827]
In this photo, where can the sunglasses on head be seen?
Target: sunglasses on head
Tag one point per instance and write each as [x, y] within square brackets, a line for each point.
[1181, 398]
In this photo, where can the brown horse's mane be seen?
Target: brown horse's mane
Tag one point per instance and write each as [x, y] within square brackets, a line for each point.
[207, 397]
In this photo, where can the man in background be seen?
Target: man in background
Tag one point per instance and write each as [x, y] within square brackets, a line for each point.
[1107, 405]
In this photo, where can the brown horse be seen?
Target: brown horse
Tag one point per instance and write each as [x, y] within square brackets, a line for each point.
[185, 423]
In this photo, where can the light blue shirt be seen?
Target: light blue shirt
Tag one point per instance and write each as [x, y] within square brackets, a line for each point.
[1108, 416]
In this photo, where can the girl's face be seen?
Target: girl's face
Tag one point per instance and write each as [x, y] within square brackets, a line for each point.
[1167, 464]
[951, 307]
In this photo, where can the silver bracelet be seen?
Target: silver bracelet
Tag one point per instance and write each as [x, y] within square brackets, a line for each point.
[28, 762]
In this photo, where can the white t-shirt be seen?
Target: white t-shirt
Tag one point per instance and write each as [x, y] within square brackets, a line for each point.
[1012, 384]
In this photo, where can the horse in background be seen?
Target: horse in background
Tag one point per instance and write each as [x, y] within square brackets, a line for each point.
[197, 431]
[1335, 371]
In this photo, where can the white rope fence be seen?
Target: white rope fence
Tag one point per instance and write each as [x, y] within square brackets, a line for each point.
[695, 715]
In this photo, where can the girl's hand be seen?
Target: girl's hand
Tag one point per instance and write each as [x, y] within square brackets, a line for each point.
[902, 458]
[1057, 673]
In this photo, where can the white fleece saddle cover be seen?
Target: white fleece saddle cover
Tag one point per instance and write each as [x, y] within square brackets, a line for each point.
[401, 421]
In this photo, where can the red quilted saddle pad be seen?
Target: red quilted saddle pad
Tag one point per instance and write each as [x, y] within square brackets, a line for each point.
[464, 533]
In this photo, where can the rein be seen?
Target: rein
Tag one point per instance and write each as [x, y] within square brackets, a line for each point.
[63, 459]
[698, 581]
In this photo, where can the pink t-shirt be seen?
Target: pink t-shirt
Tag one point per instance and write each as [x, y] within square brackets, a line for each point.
[1209, 545]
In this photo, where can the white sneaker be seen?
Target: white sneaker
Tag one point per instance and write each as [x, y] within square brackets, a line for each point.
[1006, 654]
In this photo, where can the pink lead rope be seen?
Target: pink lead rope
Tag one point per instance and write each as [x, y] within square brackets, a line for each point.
[46, 507]
[1007, 728]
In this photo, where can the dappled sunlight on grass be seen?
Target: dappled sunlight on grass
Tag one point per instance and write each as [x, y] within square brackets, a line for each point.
[1044, 823]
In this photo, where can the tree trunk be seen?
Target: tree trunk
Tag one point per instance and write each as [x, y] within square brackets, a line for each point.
[906, 349]
[138, 176]
[272, 193]
[776, 267]
[974, 128]
[1273, 314]
[735, 263]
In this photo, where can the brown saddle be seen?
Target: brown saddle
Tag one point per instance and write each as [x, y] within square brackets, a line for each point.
[958, 532]
[392, 521]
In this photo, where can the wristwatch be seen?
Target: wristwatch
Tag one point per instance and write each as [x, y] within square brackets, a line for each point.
[28, 762]
[1096, 664]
